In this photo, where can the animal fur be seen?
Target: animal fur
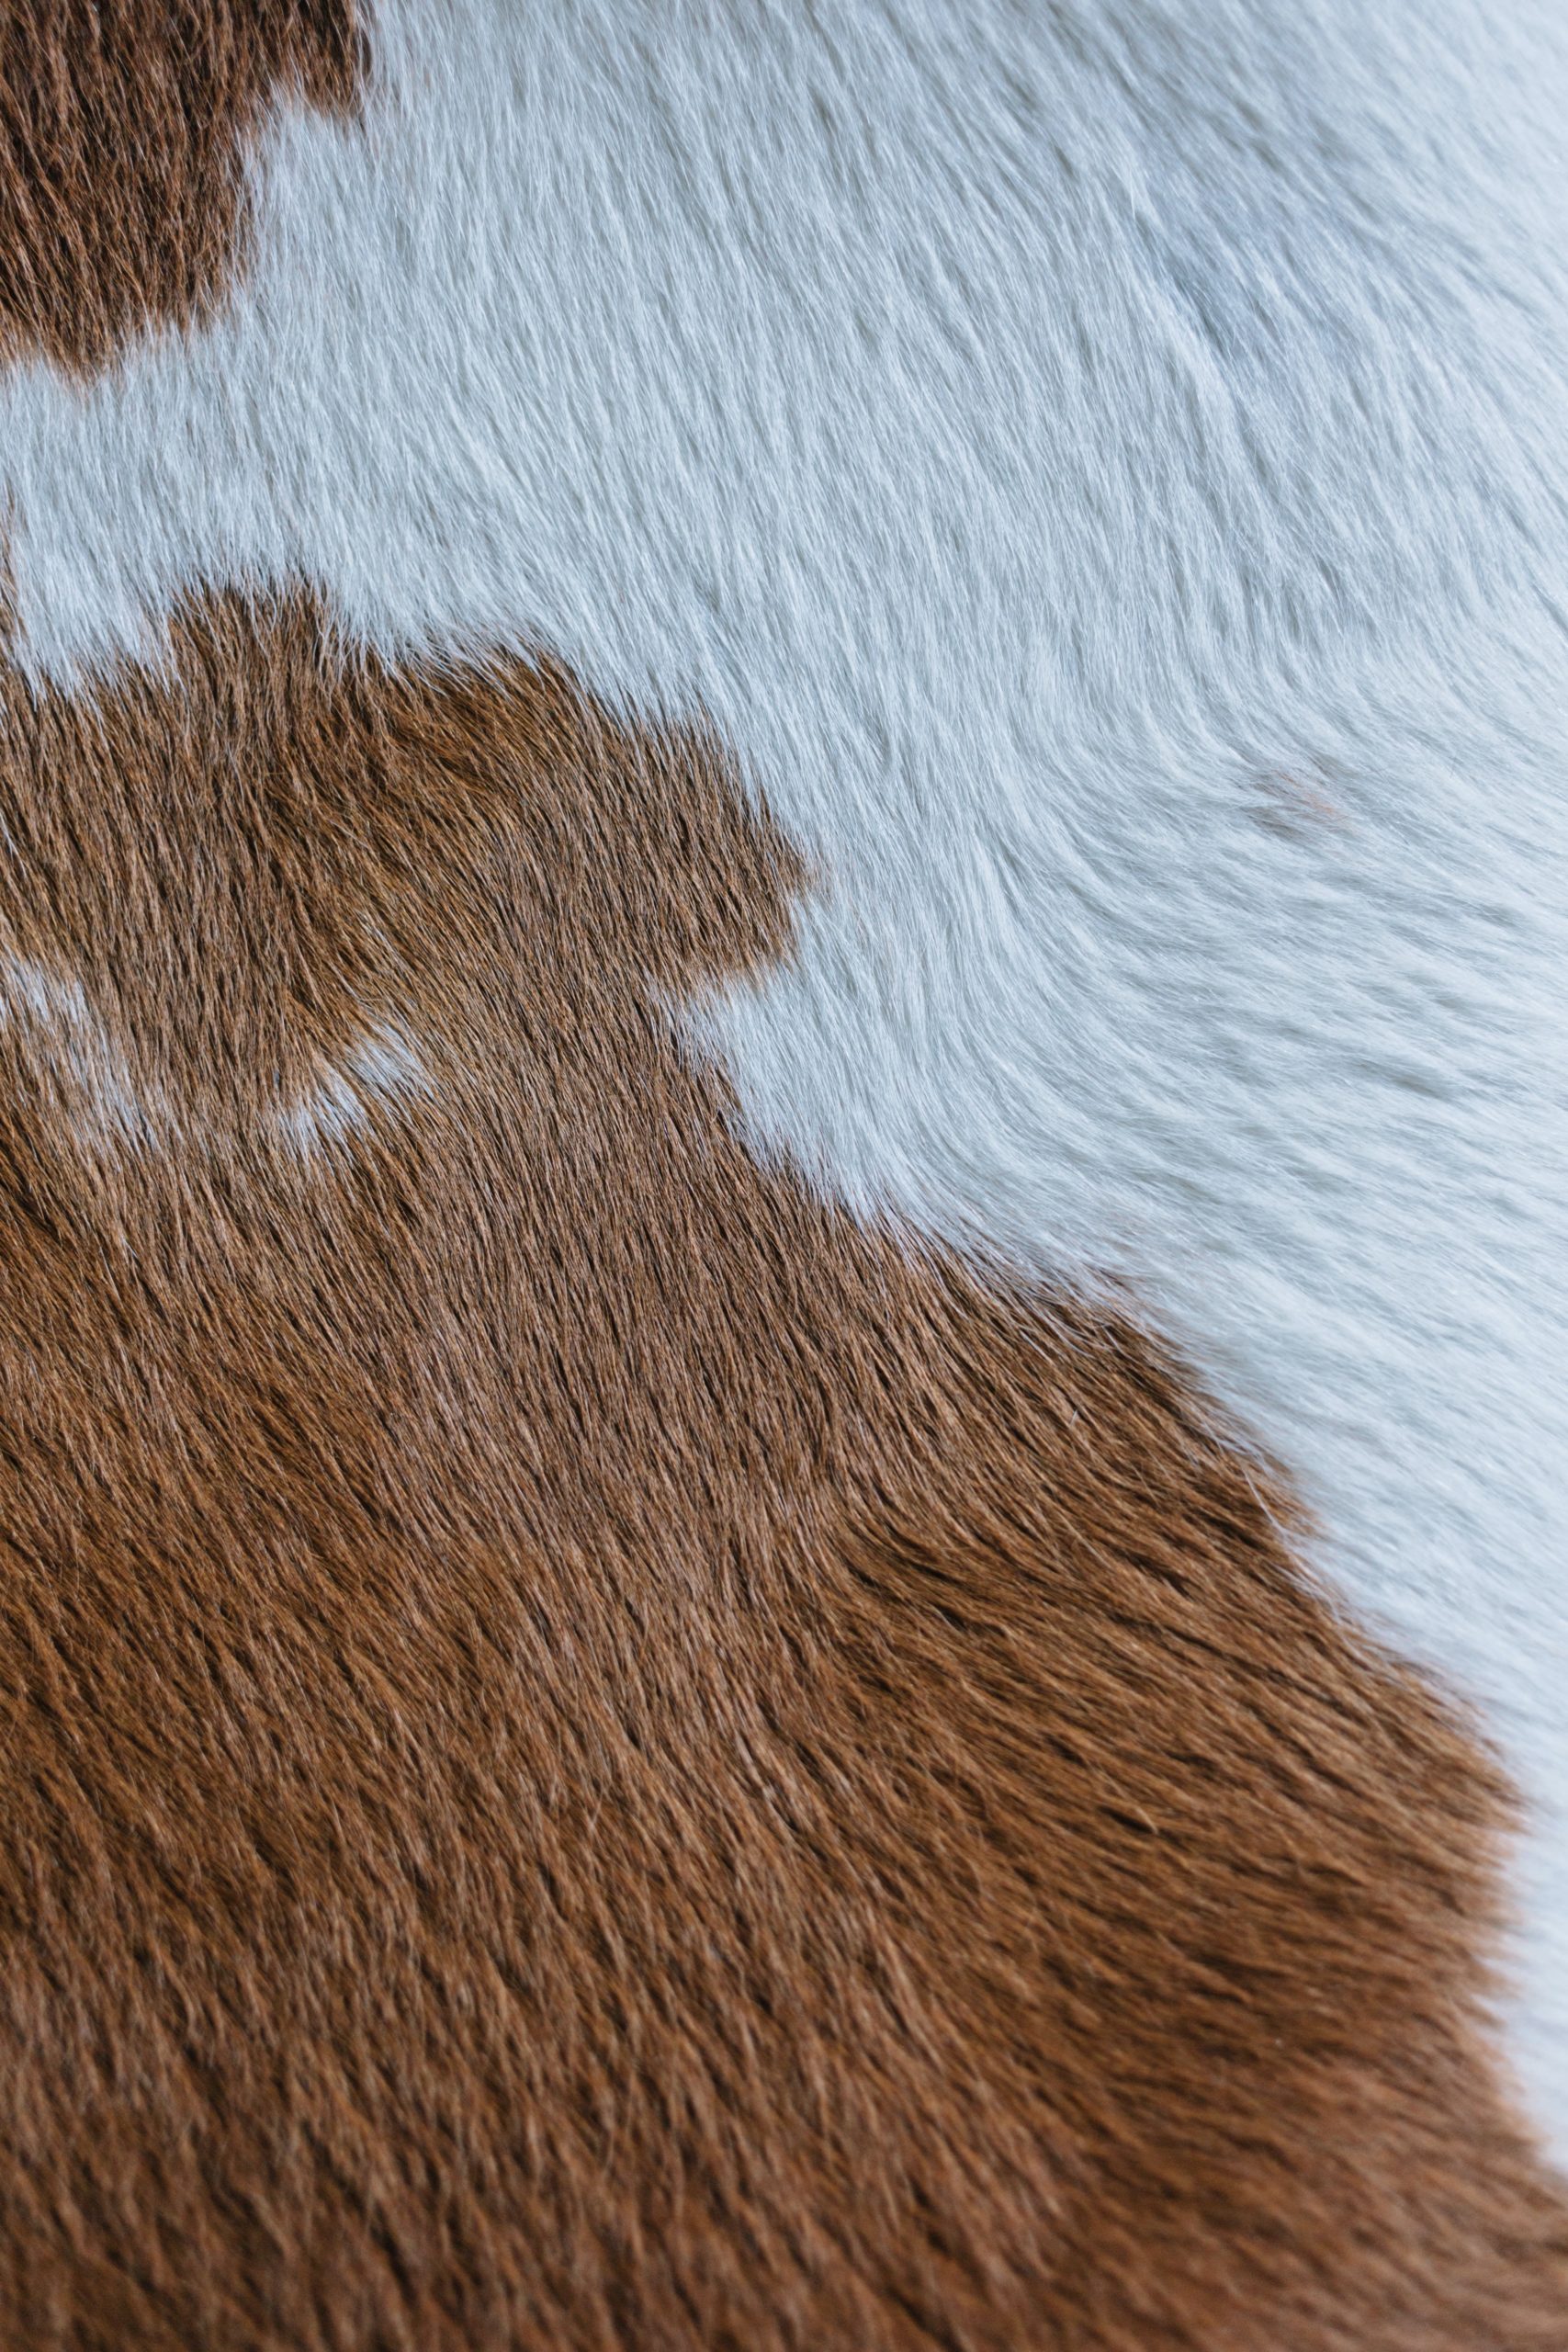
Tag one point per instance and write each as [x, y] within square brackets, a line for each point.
[782, 825]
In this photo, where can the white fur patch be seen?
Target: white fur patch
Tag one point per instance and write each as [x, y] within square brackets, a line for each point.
[71, 1047]
[1106, 469]
[383, 1066]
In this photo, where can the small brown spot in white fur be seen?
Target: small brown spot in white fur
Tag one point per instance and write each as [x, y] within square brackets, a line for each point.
[1298, 798]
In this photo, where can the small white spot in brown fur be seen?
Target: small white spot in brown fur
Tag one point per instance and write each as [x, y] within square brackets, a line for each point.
[383, 1066]
[72, 1052]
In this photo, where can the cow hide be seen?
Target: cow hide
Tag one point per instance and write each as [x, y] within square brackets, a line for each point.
[784, 1176]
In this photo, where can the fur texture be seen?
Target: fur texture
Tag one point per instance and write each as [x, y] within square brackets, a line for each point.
[640, 1707]
[124, 125]
[1102, 474]
[596, 1754]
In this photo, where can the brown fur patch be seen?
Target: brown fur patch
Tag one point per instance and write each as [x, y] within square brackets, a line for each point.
[594, 1755]
[123, 126]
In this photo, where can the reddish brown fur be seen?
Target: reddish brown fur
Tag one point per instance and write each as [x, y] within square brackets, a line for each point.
[123, 128]
[592, 1753]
